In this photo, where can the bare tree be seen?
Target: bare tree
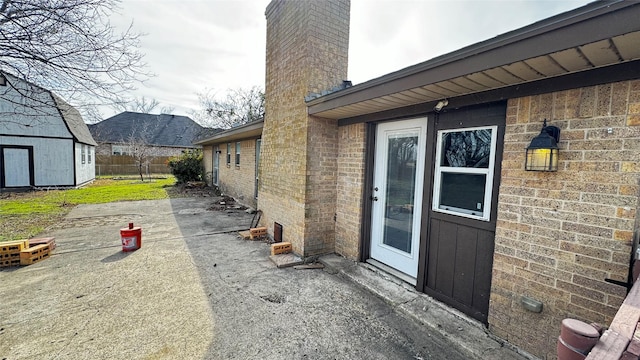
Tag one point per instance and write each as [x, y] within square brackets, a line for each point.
[70, 48]
[140, 104]
[139, 147]
[239, 106]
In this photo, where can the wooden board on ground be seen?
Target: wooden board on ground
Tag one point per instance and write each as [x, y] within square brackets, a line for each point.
[309, 266]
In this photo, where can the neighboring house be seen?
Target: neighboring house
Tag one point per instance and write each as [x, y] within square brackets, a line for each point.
[162, 136]
[421, 172]
[231, 159]
[43, 140]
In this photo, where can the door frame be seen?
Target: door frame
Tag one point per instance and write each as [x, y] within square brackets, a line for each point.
[385, 254]
[466, 114]
[31, 166]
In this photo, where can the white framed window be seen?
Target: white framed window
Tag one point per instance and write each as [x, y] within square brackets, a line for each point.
[463, 177]
[83, 155]
[238, 153]
[89, 155]
[228, 154]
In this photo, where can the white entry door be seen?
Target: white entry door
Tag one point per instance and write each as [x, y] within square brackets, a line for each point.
[397, 194]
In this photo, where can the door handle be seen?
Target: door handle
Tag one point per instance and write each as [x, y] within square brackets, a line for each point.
[374, 198]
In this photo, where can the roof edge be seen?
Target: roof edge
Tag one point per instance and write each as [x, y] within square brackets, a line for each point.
[586, 12]
[246, 128]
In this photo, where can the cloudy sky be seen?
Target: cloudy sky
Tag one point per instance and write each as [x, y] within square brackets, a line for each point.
[195, 45]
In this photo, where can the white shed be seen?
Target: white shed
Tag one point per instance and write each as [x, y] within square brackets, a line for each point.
[43, 140]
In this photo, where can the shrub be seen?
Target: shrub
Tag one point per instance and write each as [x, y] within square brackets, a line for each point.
[188, 166]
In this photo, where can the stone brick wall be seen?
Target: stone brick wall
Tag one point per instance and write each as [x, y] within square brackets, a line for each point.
[207, 162]
[320, 205]
[351, 161]
[559, 235]
[307, 47]
[239, 181]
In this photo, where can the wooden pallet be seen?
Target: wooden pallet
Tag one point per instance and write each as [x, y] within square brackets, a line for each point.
[34, 254]
[9, 247]
[47, 240]
[9, 262]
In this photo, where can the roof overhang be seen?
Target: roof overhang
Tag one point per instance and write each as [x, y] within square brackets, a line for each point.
[590, 39]
[246, 131]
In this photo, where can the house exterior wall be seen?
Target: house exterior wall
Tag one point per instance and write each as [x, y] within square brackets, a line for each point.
[36, 115]
[239, 181]
[53, 159]
[85, 170]
[350, 181]
[307, 46]
[207, 162]
[560, 234]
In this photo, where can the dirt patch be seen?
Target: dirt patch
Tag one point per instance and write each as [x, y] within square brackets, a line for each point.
[192, 190]
[226, 203]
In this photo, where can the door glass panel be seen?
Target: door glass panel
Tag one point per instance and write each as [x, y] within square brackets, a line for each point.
[471, 149]
[400, 191]
[463, 193]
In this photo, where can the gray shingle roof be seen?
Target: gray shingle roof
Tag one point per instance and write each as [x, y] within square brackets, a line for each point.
[160, 130]
[74, 121]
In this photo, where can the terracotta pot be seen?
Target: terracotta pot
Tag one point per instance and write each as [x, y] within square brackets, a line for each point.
[565, 353]
[579, 335]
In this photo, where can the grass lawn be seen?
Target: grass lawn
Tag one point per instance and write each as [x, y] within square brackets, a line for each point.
[24, 215]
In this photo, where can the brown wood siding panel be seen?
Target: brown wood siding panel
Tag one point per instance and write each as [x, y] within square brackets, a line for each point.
[465, 264]
[446, 254]
[432, 254]
[459, 250]
[484, 264]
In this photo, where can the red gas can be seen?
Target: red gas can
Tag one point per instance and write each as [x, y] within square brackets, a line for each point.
[131, 238]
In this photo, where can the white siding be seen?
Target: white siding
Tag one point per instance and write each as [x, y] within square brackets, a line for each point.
[52, 159]
[86, 171]
[26, 116]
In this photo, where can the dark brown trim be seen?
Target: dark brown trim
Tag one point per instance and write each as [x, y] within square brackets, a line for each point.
[427, 196]
[369, 163]
[609, 74]
[590, 23]
[39, 137]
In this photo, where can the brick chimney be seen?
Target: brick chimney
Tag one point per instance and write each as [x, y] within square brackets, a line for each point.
[307, 50]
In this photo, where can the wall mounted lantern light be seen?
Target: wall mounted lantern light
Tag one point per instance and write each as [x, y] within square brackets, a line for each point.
[542, 153]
